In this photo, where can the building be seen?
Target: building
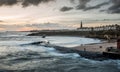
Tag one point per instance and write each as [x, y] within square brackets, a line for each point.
[81, 25]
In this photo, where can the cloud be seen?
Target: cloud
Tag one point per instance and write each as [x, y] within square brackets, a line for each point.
[8, 2]
[72, 1]
[82, 4]
[65, 8]
[24, 3]
[44, 25]
[49, 26]
[115, 8]
[96, 7]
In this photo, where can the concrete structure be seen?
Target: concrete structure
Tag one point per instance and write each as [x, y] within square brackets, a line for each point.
[112, 52]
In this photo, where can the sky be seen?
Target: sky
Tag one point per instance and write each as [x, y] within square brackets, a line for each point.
[20, 15]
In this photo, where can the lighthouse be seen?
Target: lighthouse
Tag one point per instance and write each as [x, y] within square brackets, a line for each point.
[81, 25]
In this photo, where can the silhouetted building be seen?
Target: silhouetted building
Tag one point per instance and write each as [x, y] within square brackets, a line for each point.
[81, 25]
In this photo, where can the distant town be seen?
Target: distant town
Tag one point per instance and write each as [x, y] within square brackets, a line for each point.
[99, 28]
[111, 31]
[82, 28]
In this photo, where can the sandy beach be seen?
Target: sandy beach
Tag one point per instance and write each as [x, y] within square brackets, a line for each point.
[98, 47]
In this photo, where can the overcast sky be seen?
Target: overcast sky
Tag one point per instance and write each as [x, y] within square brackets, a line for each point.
[61, 14]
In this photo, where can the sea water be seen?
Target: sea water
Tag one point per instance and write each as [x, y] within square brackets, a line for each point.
[17, 55]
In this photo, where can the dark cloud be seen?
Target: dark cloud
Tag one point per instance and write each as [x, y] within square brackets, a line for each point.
[96, 7]
[115, 8]
[82, 4]
[65, 8]
[72, 1]
[24, 3]
[8, 2]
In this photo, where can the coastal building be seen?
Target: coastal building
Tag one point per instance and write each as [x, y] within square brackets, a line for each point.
[81, 25]
[100, 28]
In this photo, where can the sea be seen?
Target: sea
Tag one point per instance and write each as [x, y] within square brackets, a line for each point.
[17, 54]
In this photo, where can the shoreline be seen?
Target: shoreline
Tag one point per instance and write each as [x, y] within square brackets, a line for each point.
[91, 51]
[96, 47]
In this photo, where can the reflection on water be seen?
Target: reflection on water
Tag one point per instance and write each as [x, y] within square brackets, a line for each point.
[32, 58]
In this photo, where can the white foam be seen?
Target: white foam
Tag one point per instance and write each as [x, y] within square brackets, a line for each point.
[67, 41]
[118, 64]
[67, 55]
